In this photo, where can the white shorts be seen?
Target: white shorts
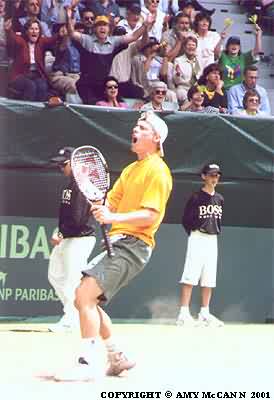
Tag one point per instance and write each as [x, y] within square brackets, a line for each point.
[201, 260]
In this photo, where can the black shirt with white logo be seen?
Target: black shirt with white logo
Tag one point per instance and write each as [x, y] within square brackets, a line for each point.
[74, 213]
[203, 212]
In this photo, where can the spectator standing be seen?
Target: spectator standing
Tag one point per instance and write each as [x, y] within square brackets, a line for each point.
[180, 31]
[66, 67]
[233, 62]
[105, 7]
[132, 22]
[32, 9]
[207, 40]
[150, 66]
[122, 65]
[87, 19]
[151, 8]
[166, 6]
[53, 12]
[202, 222]
[236, 93]
[192, 7]
[97, 53]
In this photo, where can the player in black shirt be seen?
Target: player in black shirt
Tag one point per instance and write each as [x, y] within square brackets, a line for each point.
[202, 222]
[73, 244]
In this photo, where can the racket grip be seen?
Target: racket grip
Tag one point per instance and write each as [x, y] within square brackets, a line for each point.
[107, 241]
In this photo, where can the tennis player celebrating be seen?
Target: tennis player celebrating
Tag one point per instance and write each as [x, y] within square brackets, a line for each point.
[135, 207]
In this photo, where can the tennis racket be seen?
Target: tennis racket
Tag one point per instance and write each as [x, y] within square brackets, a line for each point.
[91, 174]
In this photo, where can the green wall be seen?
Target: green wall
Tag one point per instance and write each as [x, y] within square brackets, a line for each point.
[31, 133]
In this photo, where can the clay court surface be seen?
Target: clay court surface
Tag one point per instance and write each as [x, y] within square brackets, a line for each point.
[230, 359]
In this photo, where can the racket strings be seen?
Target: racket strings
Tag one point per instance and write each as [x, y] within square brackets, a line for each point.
[89, 165]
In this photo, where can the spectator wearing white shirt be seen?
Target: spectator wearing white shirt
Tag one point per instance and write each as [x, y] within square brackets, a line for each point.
[152, 7]
[207, 40]
[166, 6]
[132, 21]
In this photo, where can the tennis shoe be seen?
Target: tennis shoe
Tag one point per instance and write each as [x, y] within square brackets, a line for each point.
[65, 324]
[210, 321]
[186, 320]
[118, 363]
[83, 372]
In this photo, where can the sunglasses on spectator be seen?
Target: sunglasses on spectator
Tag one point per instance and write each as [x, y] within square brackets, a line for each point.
[158, 91]
[112, 86]
[253, 100]
[89, 18]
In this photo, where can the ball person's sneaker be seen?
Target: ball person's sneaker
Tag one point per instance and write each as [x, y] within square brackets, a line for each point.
[210, 321]
[186, 320]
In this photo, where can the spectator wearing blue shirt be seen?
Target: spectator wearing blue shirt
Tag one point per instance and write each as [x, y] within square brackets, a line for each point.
[105, 7]
[32, 9]
[54, 11]
[236, 93]
[66, 67]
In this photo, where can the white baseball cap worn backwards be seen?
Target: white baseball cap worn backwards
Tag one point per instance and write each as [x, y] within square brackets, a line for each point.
[158, 125]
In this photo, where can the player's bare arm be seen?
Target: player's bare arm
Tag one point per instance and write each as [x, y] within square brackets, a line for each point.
[144, 217]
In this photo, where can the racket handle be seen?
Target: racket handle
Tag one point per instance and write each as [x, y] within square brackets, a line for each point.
[107, 241]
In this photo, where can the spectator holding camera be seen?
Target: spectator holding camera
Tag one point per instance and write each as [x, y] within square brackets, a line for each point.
[150, 66]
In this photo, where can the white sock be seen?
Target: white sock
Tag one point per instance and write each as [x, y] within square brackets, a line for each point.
[111, 346]
[204, 311]
[184, 310]
[89, 347]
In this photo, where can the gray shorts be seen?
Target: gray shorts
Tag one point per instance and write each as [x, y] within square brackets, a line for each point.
[111, 274]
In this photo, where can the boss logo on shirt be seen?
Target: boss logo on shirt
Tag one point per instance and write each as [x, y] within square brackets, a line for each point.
[66, 196]
[210, 210]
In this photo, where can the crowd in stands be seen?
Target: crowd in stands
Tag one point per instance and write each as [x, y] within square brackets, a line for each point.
[161, 55]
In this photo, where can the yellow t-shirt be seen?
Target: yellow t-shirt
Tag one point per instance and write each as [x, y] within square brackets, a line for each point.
[143, 184]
